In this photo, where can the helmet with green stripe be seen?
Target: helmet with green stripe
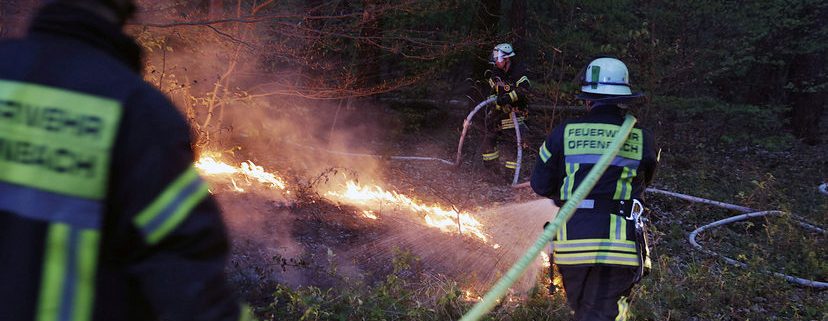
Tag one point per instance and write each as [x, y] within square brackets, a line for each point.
[606, 79]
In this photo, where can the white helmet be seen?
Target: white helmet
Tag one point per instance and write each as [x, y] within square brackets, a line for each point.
[501, 51]
[606, 76]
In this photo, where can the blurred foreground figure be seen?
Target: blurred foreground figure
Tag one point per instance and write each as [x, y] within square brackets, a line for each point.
[102, 215]
[601, 251]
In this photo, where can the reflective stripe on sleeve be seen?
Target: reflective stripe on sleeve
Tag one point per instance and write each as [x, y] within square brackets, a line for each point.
[522, 80]
[544, 153]
[172, 206]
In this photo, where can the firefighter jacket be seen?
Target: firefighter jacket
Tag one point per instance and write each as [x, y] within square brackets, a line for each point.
[601, 230]
[102, 215]
[513, 82]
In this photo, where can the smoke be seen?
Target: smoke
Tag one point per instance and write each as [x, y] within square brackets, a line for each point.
[243, 107]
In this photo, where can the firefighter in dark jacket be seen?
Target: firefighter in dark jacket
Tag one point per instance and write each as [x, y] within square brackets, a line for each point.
[508, 82]
[102, 215]
[601, 251]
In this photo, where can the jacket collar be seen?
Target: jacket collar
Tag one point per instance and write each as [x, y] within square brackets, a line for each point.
[69, 21]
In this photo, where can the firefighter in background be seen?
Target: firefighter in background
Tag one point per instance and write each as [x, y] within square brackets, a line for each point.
[508, 82]
[601, 251]
[102, 215]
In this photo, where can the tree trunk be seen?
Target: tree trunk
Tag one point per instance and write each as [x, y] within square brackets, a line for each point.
[368, 53]
[215, 10]
[808, 105]
[517, 21]
[486, 25]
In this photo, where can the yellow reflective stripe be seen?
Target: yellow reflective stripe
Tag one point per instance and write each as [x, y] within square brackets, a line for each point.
[623, 229]
[54, 267]
[172, 206]
[513, 95]
[544, 153]
[596, 258]
[511, 165]
[623, 309]
[491, 156]
[87, 263]
[618, 227]
[56, 140]
[569, 180]
[563, 232]
[582, 241]
[522, 80]
[595, 245]
[245, 313]
[68, 280]
[492, 83]
[623, 187]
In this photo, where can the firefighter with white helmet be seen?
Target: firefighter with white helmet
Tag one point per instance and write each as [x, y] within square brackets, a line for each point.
[601, 251]
[508, 81]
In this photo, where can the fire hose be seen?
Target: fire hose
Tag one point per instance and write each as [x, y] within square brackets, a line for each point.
[747, 214]
[466, 124]
[499, 289]
[519, 144]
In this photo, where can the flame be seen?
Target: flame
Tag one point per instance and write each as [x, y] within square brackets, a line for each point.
[545, 260]
[369, 214]
[209, 165]
[236, 188]
[434, 216]
[447, 220]
[470, 296]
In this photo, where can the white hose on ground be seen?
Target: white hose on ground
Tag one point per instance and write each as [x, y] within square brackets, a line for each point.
[416, 158]
[750, 213]
[742, 217]
[519, 148]
[466, 124]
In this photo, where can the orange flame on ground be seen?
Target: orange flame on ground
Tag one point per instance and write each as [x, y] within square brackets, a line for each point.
[447, 220]
[435, 216]
[369, 214]
[470, 296]
[209, 165]
[545, 260]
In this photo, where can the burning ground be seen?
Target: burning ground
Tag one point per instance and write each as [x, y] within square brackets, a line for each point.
[317, 218]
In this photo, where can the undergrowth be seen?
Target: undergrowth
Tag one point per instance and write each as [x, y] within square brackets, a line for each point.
[733, 153]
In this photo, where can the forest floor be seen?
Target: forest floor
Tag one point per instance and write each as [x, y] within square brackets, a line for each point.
[303, 255]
